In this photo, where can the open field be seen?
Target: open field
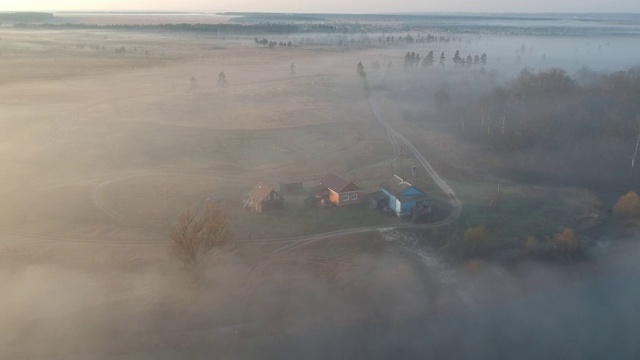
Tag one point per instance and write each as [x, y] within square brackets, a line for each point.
[126, 133]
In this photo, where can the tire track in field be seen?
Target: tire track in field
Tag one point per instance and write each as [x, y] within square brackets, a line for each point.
[294, 243]
[68, 124]
[395, 137]
[20, 237]
[439, 181]
[101, 203]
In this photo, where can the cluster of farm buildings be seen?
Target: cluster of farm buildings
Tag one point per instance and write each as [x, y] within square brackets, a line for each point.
[395, 196]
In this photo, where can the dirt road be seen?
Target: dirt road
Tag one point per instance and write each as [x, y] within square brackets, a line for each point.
[292, 243]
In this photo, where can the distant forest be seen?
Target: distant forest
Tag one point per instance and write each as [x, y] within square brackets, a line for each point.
[581, 128]
[240, 29]
[550, 108]
[25, 17]
[276, 23]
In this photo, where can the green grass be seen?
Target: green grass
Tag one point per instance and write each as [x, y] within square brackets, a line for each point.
[516, 213]
[297, 219]
[251, 152]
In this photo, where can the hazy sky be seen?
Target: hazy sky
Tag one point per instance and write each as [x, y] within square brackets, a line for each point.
[352, 6]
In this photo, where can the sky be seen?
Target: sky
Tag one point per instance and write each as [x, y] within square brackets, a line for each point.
[328, 6]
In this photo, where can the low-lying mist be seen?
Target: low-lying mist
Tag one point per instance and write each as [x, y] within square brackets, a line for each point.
[394, 300]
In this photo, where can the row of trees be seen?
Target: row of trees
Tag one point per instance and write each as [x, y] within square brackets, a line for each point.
[413, 60]
[221, 82]
[272, 44]
[469, 60]
[226, 28]
[409, 39]
[23, 17]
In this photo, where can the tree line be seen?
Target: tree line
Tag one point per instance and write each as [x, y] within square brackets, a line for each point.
[419, 39]
[271, 44]
[413, 60]
[544, 108]
[26, 16]
[268, 28]
[550, 107]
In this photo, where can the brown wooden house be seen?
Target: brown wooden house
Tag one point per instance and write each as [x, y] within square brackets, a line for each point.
[341, 191]
[264, 198]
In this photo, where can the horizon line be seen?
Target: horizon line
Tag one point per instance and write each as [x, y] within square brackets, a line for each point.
[407, 13]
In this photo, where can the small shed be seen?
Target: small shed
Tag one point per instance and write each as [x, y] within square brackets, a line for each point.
[405, 199]
[264, 198]
[286, 188]
[378, 200]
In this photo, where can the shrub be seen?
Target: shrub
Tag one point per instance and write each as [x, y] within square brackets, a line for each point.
[531, 244]
[476, 237]
[628, 207]
[565, 243]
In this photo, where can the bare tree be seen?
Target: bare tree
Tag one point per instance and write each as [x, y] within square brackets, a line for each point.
[199, 234]
[635, 153]
[193, 84]
[442, 98]
[363, 78]
[222, 79]
[504, 119]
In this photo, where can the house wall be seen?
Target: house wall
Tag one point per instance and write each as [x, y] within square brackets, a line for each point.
[407, 205]
[403, 204]
[392, 203]
[271, 205]
[336, 198]
[257, 206]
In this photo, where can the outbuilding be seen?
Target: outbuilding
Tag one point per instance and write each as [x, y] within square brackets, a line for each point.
[405, 199]
[264, 198]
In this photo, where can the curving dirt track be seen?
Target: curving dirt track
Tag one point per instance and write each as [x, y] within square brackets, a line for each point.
[288, 243]
[301, 241]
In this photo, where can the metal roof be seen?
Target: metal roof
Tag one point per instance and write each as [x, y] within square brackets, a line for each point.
[338, 184]
[397, 186]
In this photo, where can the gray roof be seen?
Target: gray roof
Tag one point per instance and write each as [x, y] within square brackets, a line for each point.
[378, 196]
[317, 188]
[338, 184]
[396, 187]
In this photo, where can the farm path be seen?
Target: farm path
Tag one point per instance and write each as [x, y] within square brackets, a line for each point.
[288, 243]
[440, 182]
[292, 243]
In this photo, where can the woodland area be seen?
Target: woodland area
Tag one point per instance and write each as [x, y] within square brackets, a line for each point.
[552, 108]
[588, 122]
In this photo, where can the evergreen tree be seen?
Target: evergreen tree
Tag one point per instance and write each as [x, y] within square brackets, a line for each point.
[222, 79]
[429, 58]
[457, 60]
